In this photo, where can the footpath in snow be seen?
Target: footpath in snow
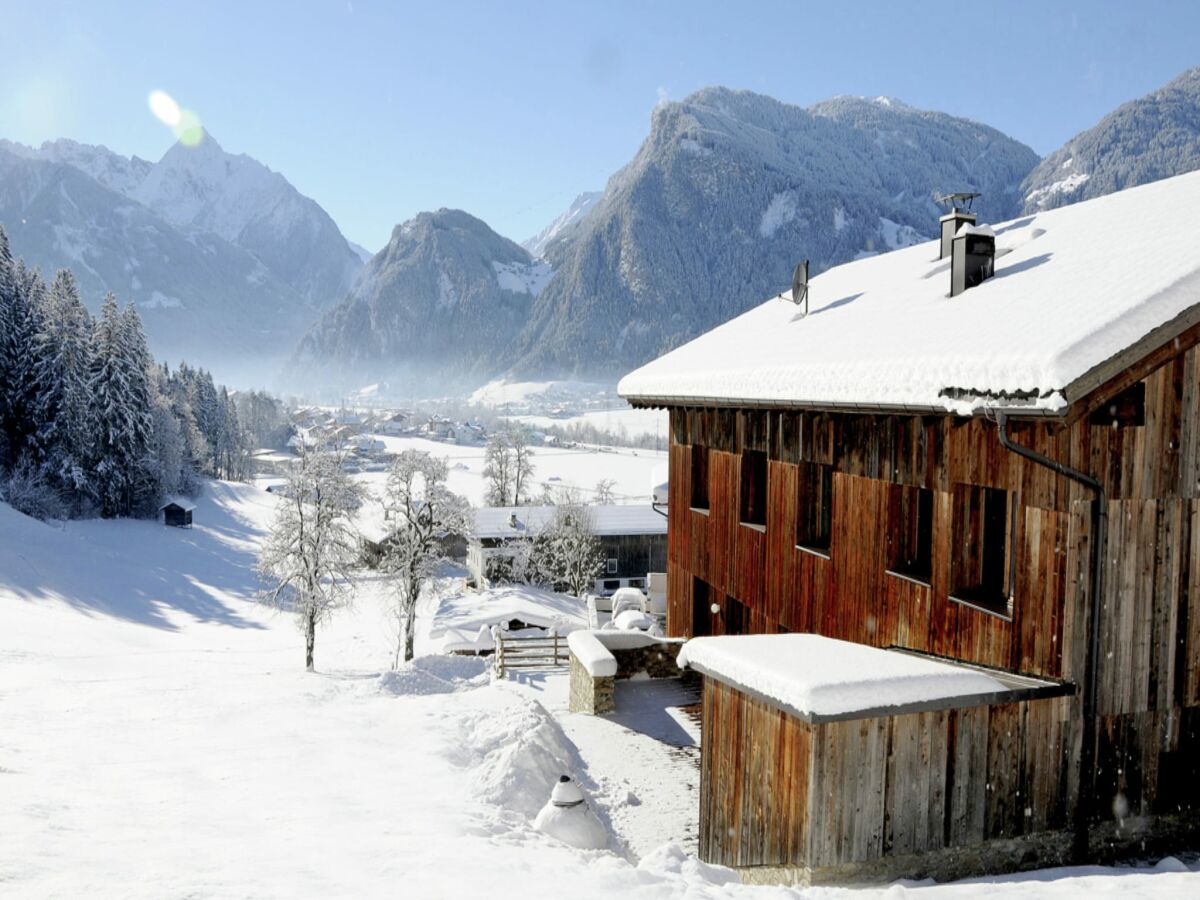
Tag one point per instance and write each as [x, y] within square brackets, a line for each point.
[160, 739]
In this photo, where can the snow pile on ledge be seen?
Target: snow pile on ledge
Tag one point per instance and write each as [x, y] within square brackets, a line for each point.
[436, 675]
[822, 676]
[595, 658]
[1073, 287]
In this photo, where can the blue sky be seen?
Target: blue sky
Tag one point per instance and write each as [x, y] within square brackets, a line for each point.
[379, 110]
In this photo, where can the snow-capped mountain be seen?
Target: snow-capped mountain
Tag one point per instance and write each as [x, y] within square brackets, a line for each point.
[444, 299]
[727, 193]
[224, 258]
[564, 224]
[241, 200]
[1153, 137]
[200, 297]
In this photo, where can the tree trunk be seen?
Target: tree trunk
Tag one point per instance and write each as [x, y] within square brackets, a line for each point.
[410, 625]
[310, 638]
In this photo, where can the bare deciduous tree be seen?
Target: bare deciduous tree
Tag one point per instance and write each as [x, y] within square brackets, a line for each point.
[423, 511]
[508, 466]
[604, 492]
[309, 555]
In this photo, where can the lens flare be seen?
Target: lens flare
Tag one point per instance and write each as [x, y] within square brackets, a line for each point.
[189, 130]
[165, 109]
[183, 122]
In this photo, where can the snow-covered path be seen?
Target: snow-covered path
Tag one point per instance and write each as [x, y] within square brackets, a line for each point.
[159, 738]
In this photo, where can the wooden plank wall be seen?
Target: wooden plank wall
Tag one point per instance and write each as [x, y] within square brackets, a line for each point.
[1150, 655]
[779, 791]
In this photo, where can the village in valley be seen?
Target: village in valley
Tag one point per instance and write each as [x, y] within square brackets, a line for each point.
[813, 512]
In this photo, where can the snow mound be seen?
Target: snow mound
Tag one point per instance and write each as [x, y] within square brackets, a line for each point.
[436, 675]
[671, 859]
[516, 755]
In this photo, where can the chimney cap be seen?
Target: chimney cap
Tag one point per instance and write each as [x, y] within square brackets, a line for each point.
[957, 200]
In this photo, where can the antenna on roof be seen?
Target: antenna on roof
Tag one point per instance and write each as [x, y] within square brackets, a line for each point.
[800, 286]
[957, 202]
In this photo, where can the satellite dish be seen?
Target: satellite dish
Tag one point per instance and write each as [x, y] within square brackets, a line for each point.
[800, 285]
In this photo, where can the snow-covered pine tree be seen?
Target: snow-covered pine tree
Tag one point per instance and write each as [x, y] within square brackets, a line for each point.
[8, 348]
[63, 345]
[20, 290]
[145, 478]
[114, 448]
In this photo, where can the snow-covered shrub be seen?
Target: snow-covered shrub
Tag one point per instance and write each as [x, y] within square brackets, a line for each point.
[28, 492]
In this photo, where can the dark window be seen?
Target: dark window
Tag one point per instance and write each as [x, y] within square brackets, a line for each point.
[701, 608]
[737, 617]
[754, 487]
[984, 547]
[814, 507]
[699, 498]
[612, 584]
[612, 565]
[910, 533]
[1126, 409]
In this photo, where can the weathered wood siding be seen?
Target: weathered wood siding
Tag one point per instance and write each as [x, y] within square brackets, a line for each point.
[1149, 661]
[778, 791]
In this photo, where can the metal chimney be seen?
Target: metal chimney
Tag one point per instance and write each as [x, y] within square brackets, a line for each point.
[972, 257]
[959, 206]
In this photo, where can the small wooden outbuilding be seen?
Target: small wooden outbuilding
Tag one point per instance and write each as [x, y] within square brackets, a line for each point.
[177, 513]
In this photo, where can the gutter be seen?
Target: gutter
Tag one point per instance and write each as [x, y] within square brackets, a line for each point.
[1087, 753]
[650, 401]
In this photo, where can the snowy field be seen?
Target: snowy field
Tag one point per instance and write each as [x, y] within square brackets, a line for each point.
[626, 422]
[160, 739]
[634, 472]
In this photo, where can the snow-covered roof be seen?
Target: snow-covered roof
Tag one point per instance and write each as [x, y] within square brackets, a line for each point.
[607, 520]
[1073, 288]
[820, 678]
[464, 621]
[182, 502]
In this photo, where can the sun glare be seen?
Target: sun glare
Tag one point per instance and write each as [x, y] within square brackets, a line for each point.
[165, 109]
[183, 122]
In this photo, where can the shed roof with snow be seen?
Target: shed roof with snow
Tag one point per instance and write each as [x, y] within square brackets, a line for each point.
[607, 520]
[180, 503]
[1078, 294]
[822, 679]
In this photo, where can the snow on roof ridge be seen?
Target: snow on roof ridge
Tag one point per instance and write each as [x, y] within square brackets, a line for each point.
[1074, 287]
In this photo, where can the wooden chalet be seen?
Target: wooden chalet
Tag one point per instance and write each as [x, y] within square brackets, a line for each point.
[1006, 480]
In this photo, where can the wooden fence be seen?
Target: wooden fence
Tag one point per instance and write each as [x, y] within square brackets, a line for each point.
[529, 652]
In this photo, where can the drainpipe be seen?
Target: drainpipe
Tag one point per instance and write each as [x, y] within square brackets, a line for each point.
[1087, 754]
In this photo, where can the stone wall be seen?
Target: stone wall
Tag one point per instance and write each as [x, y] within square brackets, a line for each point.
[655, 660]
[590, 695]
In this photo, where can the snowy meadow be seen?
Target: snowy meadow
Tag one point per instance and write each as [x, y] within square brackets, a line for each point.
[162, 739]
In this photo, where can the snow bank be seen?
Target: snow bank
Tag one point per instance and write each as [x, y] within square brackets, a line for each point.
[436, 675]
[515, 752]
[671, 859]
[592, 655]
[821, 676]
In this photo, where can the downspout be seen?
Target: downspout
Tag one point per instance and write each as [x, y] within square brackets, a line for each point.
[1087, 753]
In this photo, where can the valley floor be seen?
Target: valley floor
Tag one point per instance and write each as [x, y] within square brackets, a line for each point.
[159, 738]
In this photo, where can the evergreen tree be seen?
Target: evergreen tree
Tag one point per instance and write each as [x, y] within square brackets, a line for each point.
[144, 483]
[20, 289]
[63, 347]
[115, 454]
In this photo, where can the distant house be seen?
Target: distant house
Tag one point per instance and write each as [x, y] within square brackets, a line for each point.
[177, 513]
[634, 539]
[935, 535]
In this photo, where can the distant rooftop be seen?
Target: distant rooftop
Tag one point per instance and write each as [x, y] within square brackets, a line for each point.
[1074, 289]
[607, 520]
